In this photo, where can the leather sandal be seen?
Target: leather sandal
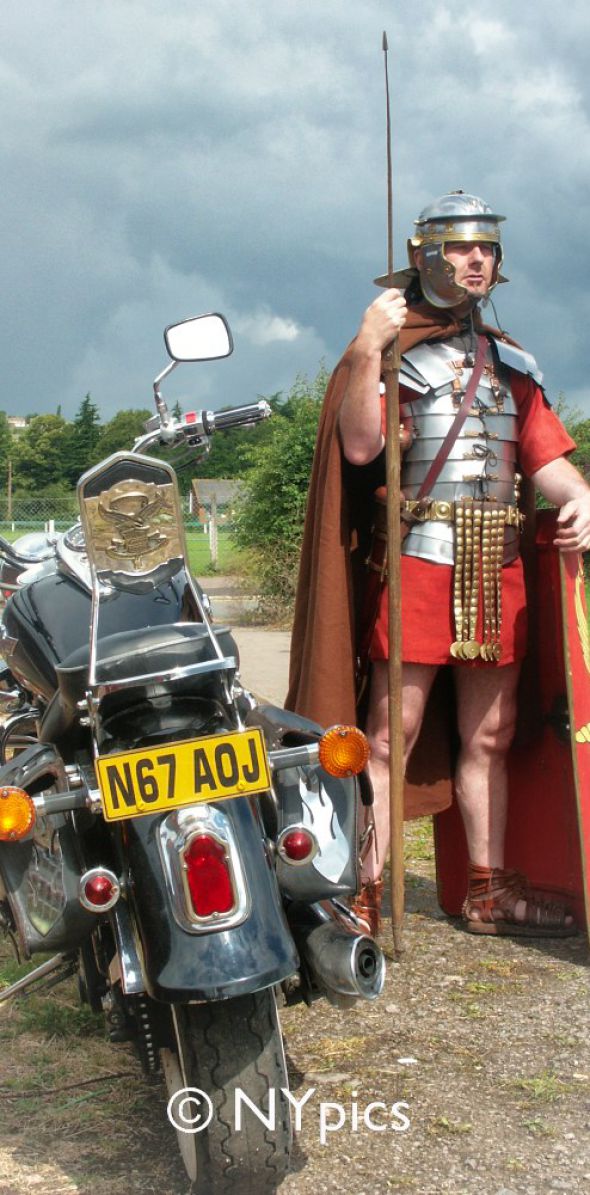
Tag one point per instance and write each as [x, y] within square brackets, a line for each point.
[492, 899]
[366, 906]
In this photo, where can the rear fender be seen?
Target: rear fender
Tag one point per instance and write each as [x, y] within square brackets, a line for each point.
[207, 961]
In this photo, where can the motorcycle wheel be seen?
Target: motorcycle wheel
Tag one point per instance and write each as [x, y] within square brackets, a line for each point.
[222, 1047]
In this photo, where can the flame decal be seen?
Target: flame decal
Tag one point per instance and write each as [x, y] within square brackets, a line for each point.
[320, 817]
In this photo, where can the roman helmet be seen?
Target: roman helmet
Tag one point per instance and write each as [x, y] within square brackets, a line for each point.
[453, 217]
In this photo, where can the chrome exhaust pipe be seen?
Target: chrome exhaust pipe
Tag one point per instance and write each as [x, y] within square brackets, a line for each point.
[345, 965]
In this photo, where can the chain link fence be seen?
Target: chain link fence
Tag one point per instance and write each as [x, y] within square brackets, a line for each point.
[208, 531]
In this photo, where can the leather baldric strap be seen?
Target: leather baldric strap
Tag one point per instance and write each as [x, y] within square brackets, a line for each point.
[461, 416]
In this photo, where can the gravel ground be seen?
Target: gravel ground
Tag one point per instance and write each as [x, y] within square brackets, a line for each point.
[486, 1042]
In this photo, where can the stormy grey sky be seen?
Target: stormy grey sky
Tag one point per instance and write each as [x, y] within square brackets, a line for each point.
[166, 157]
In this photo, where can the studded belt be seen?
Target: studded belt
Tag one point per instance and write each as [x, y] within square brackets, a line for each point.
[477, 576]
[435, 510]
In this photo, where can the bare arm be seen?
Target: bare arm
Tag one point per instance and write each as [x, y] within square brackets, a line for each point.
[562, 484]
[360, 413]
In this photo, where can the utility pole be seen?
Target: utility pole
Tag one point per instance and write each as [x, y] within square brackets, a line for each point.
[9, 492]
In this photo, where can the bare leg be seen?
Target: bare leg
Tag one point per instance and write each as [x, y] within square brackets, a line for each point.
[486, 714]
[417, 682]
[486, 710]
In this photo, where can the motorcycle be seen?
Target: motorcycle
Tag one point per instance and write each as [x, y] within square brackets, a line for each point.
[181, 848]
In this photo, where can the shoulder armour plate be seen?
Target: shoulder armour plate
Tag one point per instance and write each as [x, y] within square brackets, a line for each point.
[518, 360]
[429, 366]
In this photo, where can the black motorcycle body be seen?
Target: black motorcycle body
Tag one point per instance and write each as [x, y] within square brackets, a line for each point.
[118, 678]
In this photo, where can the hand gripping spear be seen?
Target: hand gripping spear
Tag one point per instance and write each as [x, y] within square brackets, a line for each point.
[390, 368]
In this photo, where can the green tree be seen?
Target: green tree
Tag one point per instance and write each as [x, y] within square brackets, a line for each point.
[5, 443]
[119, 433]
[233, 452]
[80, 443]
[270, 515]
[39, 453]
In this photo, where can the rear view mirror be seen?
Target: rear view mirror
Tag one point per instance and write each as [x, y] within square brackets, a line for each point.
[203, 338]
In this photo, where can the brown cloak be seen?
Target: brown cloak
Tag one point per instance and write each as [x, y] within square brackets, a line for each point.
[337, 524]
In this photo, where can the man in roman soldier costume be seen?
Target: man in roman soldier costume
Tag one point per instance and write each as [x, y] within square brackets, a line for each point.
[474, 422]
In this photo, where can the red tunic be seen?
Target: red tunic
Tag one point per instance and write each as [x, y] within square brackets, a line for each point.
[427, 588]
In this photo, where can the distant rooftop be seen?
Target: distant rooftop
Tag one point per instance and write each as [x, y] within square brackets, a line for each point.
[223, 489]
[16, 422]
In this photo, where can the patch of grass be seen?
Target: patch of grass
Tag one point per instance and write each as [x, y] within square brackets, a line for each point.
[469, 1008]
[538, 1127]
[543, 1088]
[28, 1083]
[10, 970]
[474, 1011]
[331, 1049]
[515, 1165]
[31, 1106]
[446, 1125]
[481, 987]
[199, 552]
[499, 967]
[562, 1039]
[419, 842]
[60, 1020]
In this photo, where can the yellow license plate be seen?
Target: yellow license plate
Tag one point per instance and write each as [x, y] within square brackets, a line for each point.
[152, 779]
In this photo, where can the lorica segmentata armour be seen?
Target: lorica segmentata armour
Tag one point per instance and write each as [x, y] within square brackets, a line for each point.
[482, 464]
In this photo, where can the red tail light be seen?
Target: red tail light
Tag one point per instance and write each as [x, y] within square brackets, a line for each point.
[208, 875]
[99, 890]
[297, 845]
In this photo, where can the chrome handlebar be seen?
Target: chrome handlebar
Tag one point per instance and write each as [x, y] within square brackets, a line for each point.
[195, 428]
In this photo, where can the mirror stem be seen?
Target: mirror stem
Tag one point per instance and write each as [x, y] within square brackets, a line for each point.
[160, 402]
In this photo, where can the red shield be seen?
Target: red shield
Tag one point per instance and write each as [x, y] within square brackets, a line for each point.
[548, 832]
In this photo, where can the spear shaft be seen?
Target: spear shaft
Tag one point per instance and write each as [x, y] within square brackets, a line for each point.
[390, 367]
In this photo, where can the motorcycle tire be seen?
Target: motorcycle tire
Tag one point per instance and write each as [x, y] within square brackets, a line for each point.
[222, 1048]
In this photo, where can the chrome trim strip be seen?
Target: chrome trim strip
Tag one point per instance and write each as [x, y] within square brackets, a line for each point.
[294, 757]
[49, 803]
[130, 961]
[225, 664]
[7, 642]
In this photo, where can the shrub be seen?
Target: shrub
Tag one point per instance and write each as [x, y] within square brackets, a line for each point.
[271, 511]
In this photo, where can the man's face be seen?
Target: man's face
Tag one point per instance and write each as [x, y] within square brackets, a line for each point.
[474, 264]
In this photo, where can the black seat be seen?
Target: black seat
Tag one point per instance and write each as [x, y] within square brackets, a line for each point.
[138, 653]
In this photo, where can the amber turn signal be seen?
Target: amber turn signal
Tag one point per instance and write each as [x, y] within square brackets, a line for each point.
[17, 813]
[343, 751]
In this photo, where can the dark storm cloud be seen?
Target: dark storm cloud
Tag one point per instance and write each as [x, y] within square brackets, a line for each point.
[160, 159]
